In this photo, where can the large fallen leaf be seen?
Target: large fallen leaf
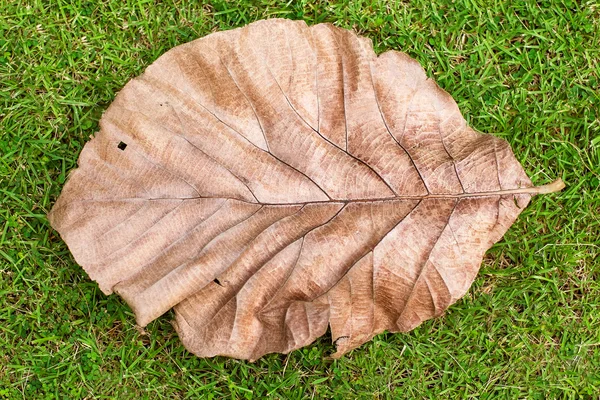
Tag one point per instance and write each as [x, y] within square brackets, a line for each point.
[269, 181]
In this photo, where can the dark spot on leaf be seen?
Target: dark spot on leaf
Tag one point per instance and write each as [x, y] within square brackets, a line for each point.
[122, 145]
[217, 282]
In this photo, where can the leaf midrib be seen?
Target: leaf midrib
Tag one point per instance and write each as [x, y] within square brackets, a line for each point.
[530, 190]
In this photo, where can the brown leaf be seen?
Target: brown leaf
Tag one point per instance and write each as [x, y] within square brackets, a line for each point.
[269, 181]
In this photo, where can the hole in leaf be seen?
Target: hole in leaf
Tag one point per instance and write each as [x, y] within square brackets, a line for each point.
[122, 145]
[218, 282]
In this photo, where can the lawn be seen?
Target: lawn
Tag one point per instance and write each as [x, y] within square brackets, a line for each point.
[529, 327]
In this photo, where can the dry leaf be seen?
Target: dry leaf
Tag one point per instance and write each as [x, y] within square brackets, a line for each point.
[269, 181]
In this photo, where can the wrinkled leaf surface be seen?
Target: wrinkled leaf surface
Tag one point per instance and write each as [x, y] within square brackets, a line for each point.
[271, 181]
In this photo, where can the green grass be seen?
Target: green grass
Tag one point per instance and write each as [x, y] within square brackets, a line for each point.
[527, 71]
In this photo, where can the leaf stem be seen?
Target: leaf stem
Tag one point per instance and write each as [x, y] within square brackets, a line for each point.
[553, 187]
